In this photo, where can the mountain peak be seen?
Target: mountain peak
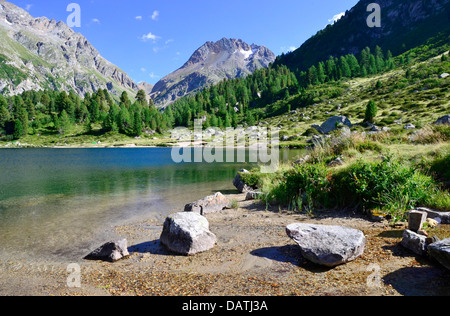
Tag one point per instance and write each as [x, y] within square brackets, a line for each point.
[212, 62]
[50, 55]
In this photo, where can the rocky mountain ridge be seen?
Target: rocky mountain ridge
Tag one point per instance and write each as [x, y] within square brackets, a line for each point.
[209, 64]
[39, 53]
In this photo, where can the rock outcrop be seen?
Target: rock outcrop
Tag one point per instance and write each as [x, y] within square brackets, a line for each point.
[332, 124]
[444, 120]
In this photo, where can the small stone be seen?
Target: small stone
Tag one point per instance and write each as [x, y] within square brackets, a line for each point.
[416, 220]
[111, 251]
[210, 204]
[432, 222]
[252, 195]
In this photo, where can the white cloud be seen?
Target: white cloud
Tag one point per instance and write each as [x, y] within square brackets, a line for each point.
[150, 36]
[139, 18]
[155, 15]
[153, 76]
[287, 49]
[143, 69]
[28, 7]
[170, 40]
[96, 21]
[336, 18]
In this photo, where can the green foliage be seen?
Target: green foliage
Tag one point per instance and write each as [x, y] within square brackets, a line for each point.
[10, 72]
[41, 108]
[371, 112]
[441, 167]
[18, 129]
[253, 178]
[388, 185]
[304, 187]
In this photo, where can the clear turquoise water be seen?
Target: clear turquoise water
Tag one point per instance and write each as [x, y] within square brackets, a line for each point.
[61, 203]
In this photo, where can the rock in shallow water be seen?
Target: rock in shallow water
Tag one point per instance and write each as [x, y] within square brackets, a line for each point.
[187, 233]
[327, 245]
[111, 251]
[210, 204]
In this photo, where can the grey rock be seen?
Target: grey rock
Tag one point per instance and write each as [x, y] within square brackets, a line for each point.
[210, 204]
[111, 251]
[409, 126]
[302, 160]
[441, 252]
[416, 219]
[336, 162]
[444, 75]
[239, 184]
[414, 242]
[333, 123]
[187, 233]
[443, 120]
[252, 195]
[433, 214]
[327, 245]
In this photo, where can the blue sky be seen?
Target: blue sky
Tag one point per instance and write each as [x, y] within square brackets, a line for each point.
[148, 39]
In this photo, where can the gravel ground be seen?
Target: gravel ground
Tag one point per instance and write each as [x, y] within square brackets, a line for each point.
[253, 257]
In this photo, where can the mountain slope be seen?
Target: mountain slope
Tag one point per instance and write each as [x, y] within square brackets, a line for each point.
[38, 53]
[404, 24]
[211, 63]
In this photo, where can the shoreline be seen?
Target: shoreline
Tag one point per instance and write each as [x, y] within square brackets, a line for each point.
[253, 256]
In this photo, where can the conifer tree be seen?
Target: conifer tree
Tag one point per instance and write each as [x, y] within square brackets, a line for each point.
[371, 112]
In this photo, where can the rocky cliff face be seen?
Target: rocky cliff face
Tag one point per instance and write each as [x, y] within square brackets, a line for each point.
[38, 53]
[211, 63]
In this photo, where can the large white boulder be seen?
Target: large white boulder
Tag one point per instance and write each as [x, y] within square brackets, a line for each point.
[187, 233]
[327, 245]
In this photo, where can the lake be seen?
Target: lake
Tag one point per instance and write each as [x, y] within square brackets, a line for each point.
[59, 204]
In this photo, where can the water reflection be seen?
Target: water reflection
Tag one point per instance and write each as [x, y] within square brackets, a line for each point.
[63, 201]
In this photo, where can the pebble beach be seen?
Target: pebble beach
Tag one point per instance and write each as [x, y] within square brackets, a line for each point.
[253, 257]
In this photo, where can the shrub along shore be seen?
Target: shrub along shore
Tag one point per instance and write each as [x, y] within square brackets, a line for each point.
[368, 173]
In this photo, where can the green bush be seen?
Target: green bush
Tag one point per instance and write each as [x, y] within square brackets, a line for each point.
[389, 185]
[441, 167]
[369, 145]
[304, 187]
[252, 178]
